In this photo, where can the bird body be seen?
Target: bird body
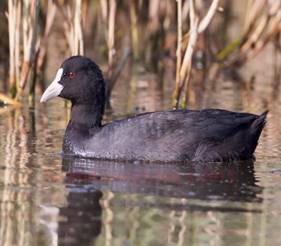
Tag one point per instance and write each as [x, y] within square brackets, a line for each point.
[168, 136]
[178, 135]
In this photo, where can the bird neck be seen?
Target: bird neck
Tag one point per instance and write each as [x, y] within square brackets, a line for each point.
[86, 116]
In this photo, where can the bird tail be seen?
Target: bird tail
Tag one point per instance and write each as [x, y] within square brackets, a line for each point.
[257, 127]
[259, 123]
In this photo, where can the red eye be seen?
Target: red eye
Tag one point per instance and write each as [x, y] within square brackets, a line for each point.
[71, 75]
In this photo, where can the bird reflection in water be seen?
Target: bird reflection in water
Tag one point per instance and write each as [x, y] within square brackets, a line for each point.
[81, 218]
[85, 178]
[207, 181]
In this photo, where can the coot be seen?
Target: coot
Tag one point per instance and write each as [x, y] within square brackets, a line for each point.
[175, 135]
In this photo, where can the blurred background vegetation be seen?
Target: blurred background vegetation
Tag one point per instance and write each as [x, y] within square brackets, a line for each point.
[185, 42]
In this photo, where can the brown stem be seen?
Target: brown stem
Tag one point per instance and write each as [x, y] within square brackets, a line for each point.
[111, 35]
[179, 55]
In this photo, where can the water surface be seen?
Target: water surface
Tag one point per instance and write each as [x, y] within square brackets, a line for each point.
[49, 200]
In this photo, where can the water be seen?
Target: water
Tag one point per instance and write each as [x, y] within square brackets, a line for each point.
[49, 200]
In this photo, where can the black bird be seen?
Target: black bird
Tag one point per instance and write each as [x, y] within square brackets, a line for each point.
[175, 135]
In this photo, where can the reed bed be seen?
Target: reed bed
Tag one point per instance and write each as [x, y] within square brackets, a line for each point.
[184, 64]
[262, 25]
[147, 30]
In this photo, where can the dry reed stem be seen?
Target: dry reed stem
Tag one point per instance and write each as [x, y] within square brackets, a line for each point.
[14, 16]
[21, 22]
[253, 38]
[30, 15]
[11, 22]
[104, 18]
[204, 23]
[79, 42]
[24, 46]
[22, 18]
[111, 35]
[274, 27]
[196, 27]
[114, 70]
[179, 48]
[187, 60]
[262, 25]
[41, 47]
[104, 10]
[134, 31]
[254, 9]
[68, 26]
[73, 27]
[18, 42]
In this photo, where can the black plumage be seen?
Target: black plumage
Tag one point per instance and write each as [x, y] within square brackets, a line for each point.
[176, 135]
